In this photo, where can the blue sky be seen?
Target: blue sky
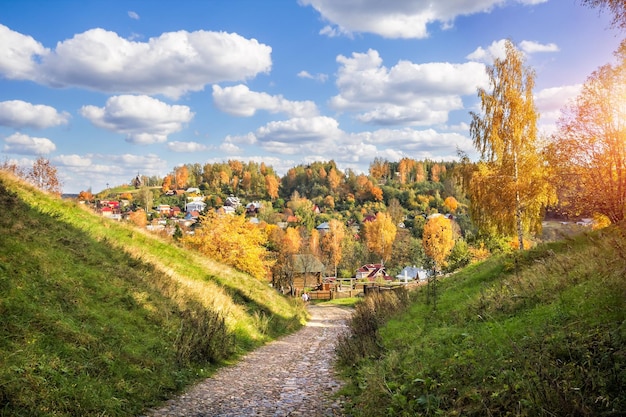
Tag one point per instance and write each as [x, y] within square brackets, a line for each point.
[110, 89]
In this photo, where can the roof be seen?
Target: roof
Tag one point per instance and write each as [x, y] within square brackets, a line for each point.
[323, 226]
[307, 263]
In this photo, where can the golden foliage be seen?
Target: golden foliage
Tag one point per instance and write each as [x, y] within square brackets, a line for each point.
[438, 239]
[234, 241]
[379, 235]
[138, 218]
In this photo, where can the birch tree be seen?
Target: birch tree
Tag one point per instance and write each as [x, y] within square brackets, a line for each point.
[509, 189]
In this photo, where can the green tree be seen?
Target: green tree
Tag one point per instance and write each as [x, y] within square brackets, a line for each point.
[509, 190]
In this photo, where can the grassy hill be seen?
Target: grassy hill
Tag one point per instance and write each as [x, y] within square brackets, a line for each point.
[101, 318]
[542, 333]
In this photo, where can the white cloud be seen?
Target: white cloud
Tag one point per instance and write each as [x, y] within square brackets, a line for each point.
[531, 47]
[172, 64]
[240, 101]
[143, 119]
[322, 78]
[74, 161]
[497, 50]
[298, 131]
[133, 15]
[95, 171]
[19, 114]
[19, 143]
[19, 55]
[395, 19]
[550, 102]
[188, 147]
[407, 93]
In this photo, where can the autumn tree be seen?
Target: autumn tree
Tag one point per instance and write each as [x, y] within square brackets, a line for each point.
[438, 241]
[379, 235]
[167, 183]
[287, 245]
[271, 186]
[43, 175]
[85, 196]
[588, 152]
[138, 218]
[332, 242]
[181, 175]
[234, 241]
[450, 204]
[509, 190]
[616, 7]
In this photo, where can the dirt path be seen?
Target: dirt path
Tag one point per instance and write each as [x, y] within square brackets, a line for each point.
[289, 377]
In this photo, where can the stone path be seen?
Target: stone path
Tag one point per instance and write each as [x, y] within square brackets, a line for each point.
[292, 376]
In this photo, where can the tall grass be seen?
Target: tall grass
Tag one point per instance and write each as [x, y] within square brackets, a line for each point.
[99, 318]
[541, 333]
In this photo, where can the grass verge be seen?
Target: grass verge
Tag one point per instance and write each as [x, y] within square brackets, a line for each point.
[541, 333]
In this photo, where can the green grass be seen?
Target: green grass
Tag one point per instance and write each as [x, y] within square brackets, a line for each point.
[100, 318]
[541, 333]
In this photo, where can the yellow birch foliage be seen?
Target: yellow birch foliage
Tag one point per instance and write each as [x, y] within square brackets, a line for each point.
[379, 235]
[438, 239]
[234, 241]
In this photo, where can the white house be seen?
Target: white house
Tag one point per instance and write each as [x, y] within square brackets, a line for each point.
[198, 206]
[411, 273]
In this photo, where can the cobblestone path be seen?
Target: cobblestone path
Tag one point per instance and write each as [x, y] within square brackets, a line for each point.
[292, 376]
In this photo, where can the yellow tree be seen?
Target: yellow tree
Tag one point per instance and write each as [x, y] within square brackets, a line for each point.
[438, 241]
[379, 235]
[234, 241]
[271, 186]
[451, 204]
[589, 150]
[509, 189]
[332, 242]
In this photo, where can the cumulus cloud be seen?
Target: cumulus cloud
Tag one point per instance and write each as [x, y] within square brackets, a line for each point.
[19, 55]
[497, 50]
[73, 161]
[398, 18]
[19, 143]
[95, 171]
[20, 114]
[143, 119]
[172, 64]
[407, 93]
[551, 101]
[240, 101]
[186, 147]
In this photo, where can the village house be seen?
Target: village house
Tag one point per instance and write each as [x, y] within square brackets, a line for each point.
[372, 272]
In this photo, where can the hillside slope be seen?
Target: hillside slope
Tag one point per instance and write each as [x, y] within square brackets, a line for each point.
[101, 318]
[541, 333]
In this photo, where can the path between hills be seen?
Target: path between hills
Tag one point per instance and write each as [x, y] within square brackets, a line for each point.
[292, 376]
